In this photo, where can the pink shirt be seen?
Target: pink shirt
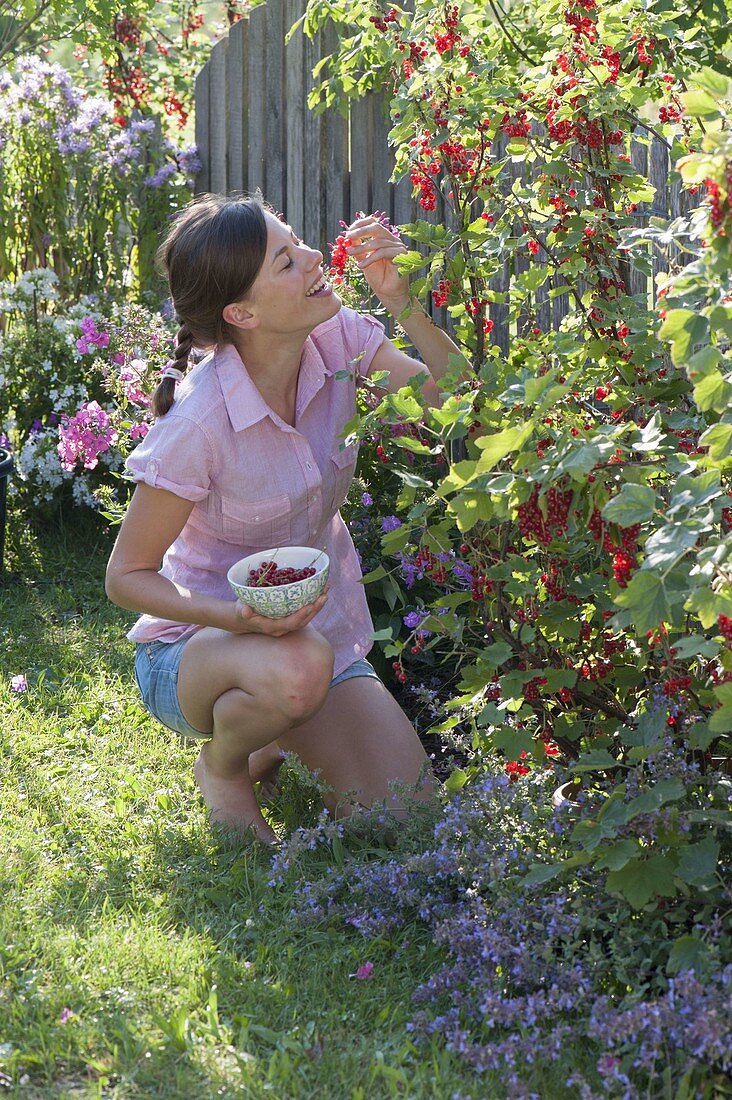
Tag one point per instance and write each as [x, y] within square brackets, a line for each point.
[258, 483]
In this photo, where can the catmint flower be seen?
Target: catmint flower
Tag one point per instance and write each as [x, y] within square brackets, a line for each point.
[390, 523]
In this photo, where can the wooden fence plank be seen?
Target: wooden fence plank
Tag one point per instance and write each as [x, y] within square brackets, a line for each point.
[275, 106]
[236, 68]
[312, 184]
[334, 161]
[639, 160]
[256, 175]
[295, 106]
[658, 178]
[218, 118]
[203, 128]
[382, 159]
[361, 163]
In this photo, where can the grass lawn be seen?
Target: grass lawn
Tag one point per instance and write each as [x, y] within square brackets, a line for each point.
[141, 955]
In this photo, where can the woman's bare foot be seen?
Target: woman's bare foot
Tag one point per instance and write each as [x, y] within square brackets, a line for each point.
[231, 801]
[264, 767]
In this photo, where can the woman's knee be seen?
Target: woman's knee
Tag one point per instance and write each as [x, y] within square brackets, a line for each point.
[302, 676]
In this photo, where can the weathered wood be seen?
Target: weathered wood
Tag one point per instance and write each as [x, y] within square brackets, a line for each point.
[236, 68]
[203, 129]
[361, 162]
[382, 159]
[275, 106]
[312, 183]
[658, 178]
[218, 118]
[334, 161]
[403, 203]
[295, 106]
[256, 174]
[639, 160]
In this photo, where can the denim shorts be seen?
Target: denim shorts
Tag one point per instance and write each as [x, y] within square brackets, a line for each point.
[156, 672]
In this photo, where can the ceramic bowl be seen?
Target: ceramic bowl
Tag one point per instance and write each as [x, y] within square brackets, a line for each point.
[281, 599]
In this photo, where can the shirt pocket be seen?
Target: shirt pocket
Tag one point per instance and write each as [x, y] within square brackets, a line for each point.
[343, 467]
[263, 525]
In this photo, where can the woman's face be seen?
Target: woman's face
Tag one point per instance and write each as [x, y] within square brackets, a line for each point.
[290, 292]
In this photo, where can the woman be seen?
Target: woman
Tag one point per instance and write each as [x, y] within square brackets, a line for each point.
[245, 455]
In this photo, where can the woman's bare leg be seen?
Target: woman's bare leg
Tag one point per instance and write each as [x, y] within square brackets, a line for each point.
[248, 690]
[361, 740]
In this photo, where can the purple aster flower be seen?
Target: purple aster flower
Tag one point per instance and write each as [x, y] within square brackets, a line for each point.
[18, 683]
[367, 500]
[390, 523]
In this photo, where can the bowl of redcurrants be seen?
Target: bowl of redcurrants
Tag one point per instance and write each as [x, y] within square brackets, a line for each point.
[279, 582]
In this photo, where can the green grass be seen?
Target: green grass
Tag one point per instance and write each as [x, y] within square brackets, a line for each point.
[175, 957]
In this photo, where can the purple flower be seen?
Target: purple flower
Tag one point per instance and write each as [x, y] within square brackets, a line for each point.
[390, 523]
[413, 618]
[367, 500]
[19, 683]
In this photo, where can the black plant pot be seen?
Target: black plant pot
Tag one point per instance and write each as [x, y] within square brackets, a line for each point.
[6, 466]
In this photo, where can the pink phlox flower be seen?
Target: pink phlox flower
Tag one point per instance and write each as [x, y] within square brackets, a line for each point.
[139, 431]
[18, 683]
[364, 971]
[84, 436]
[91, 337]
[65, 1016]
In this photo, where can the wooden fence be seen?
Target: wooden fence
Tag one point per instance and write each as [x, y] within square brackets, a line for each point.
[254, 130]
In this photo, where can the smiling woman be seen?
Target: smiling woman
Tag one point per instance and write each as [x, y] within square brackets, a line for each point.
[246, 455]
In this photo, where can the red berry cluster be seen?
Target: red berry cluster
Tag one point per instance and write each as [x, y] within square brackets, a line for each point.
[717, 203]
[270, 575]
[440, 296]
[724, 622]
[382, 22]
[532, 524]
[676, 685]
[623, 565]
[532, 689]
[399, 672]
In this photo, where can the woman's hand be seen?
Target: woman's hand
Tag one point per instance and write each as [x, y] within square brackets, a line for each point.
[247, 621]
[373, 248]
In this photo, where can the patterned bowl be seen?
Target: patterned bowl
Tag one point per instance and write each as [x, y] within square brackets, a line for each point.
[281, 599]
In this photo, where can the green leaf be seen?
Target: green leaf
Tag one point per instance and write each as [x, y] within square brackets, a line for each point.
[617, 855]
[666, 790]
[594, 760]
[687, 953]
[640, 880]
[456, 780]
[713, 393]
[717, 84]
[497, 654]
[496, 447]
[646, 600]
[684, 328]
[700, 104]
[374, 575]
[541, 872]
[557, 678]
[698, 862]
[718, 439]
[703, 362]
[667, 545]
[696, 645]
[633, 504]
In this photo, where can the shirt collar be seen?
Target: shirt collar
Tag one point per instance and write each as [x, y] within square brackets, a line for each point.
[245, 404]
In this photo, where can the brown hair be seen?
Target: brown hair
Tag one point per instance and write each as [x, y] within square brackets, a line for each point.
[211, 255]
